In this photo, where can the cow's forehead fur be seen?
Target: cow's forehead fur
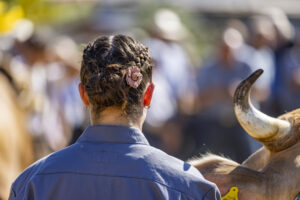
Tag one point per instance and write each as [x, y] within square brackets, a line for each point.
[282, 143]
[293, 117]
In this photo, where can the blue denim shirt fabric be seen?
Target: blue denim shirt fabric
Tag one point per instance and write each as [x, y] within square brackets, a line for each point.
[111, 162]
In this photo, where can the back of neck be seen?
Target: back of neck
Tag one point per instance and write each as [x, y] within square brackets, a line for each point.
[113, 116]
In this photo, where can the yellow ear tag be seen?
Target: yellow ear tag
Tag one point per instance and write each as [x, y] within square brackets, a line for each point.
[232, 194]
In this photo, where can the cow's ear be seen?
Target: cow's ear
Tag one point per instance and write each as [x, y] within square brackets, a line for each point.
[83, 95]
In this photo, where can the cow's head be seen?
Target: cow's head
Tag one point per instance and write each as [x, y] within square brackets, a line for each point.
[273, 172]
[276, 134]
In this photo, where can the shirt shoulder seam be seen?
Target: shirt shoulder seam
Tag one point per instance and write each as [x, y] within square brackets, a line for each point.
[205, 195]
[91, 174]
[109, 142]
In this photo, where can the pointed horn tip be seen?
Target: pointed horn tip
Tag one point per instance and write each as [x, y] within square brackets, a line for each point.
[252, 78]
[245, 86]
[258, 72]
[255, 75]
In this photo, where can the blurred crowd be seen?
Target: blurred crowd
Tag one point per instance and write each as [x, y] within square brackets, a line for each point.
[192, 109]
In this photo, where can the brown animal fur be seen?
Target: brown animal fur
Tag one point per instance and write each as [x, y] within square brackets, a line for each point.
[265, 175]
[16, 151]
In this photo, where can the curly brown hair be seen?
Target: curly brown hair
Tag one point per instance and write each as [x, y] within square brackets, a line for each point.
[103, 73]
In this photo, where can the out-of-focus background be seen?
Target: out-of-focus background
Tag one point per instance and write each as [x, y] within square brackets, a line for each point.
[202, 49]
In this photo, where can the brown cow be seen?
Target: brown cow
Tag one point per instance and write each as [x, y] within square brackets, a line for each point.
[16, 151]
[273, 172]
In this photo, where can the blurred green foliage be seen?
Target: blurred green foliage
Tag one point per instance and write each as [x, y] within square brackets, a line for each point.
[50, 12]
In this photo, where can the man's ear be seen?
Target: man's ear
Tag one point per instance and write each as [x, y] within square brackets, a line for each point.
[148, 95]
[83, 95]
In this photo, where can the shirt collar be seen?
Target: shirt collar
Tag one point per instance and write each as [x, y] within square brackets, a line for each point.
[113, 134]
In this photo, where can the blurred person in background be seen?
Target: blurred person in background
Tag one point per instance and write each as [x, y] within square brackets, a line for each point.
[63, 75]
[261, 56]
[217, 79]
[45, 116]
[173, 74]
[289, 91]
[282, 45]
[27, 67]
[113, 154]
[52, 72]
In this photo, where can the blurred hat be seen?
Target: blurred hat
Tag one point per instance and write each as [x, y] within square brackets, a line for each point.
[281, 22]
[168, 25]
[232, 38]
[65, 48]
[23, 30]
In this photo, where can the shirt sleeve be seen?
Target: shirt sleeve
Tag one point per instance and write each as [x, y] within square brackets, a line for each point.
[212, 194]
[12, 194]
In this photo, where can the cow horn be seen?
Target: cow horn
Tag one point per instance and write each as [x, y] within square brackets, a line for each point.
[257, 124]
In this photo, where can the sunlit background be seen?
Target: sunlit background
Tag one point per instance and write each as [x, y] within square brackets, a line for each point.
[201, 48]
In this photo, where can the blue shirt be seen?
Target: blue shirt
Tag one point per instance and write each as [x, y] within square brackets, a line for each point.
[111, 162]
